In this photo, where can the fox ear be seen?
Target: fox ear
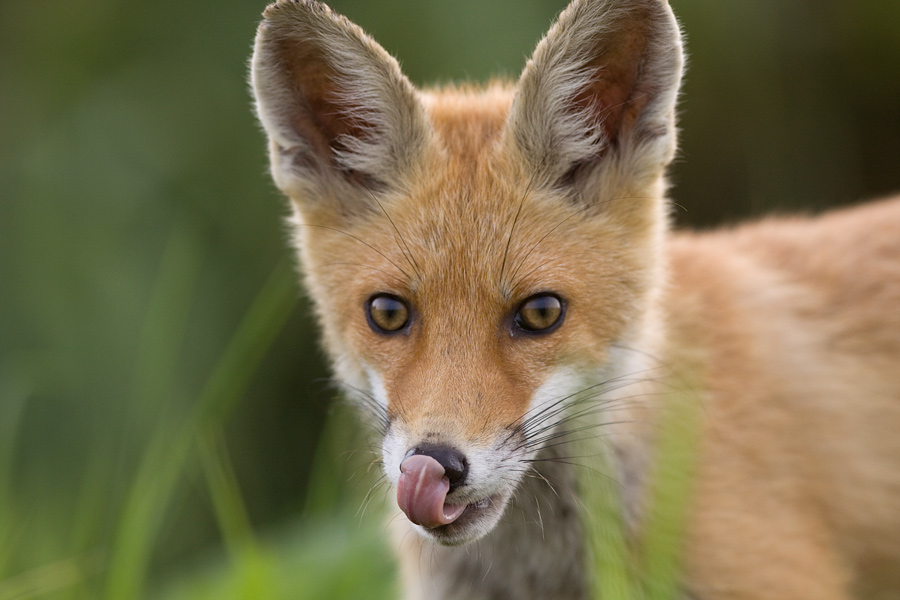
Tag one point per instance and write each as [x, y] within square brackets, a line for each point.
[339, 114]
[599, 95]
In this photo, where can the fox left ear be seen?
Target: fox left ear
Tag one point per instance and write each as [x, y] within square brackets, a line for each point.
[341, 117]
[598, 97]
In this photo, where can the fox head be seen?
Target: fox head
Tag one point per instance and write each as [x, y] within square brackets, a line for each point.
[478, 258]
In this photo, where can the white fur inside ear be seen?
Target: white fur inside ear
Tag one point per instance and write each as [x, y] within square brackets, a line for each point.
[601, 86]
[333, 102]
[548, 129]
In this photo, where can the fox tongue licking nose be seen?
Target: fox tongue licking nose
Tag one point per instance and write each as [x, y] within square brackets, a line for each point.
[422, 490]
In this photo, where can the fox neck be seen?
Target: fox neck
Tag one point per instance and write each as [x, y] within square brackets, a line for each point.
[535, 551]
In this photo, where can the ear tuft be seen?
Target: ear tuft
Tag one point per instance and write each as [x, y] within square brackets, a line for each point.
[600, 88]
[335, 105]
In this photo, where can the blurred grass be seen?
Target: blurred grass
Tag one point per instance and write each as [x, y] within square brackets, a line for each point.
[165, 458]
[317, 563]
[646, 564]
[331, 562]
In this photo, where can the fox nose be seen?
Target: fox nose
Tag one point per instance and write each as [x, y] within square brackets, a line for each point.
[456, 467]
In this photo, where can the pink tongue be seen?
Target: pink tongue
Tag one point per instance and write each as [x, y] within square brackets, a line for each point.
[422, 490]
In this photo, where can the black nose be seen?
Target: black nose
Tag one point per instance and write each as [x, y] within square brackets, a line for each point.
[456, 467]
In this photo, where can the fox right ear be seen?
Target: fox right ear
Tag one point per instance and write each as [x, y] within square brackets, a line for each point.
[342, 119]
[598, 97]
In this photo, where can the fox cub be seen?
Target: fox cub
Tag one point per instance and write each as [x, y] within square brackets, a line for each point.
[485, 262]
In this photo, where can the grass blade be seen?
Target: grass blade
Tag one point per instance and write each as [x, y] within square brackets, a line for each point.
[168, 453]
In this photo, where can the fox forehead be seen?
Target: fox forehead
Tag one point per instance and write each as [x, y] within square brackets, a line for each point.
[468, 219]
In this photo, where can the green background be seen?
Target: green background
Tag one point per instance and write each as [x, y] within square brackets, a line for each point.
[142, 453]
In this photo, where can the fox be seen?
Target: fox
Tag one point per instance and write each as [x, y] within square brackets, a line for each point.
[486, 261]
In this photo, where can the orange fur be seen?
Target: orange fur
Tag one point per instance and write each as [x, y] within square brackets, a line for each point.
[800, 455]
[464, 202]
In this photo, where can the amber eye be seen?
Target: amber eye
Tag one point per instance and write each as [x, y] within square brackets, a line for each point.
[540, 313]
[387, 314]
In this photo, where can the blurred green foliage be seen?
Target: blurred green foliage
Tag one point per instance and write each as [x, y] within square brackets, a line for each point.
[140, 447]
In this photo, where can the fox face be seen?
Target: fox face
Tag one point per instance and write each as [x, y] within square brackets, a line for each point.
[481, 260]
[458, 352]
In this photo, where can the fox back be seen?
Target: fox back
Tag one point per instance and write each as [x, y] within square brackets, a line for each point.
[487, 264]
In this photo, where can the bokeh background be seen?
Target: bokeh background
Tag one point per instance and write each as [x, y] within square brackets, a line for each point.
[166, 424]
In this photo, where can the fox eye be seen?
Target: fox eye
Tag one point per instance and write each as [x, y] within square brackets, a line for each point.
[540, 314]
[386, 313]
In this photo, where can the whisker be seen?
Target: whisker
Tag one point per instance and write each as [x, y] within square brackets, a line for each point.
[370, 405]
[586, 396]
[364, 243]
[540, 241]
[531, 181]
[512, 230]
[560, 405]
[539, 475]
[534, 413]
[367, 500]
[585, 466]
[404, 249]
[561, 435]
[349, 264]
